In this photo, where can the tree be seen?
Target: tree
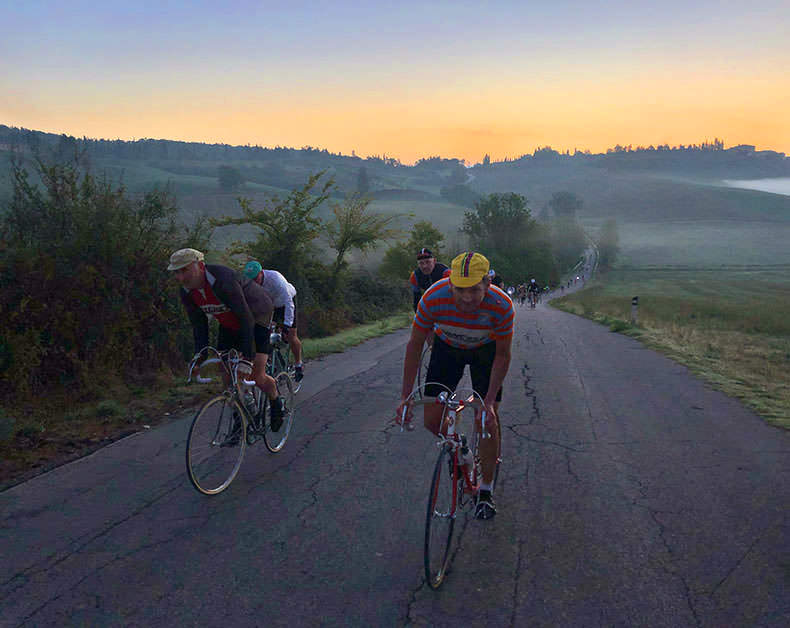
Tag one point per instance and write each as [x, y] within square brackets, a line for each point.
[502, 228]
[565, 204]
[608, 243]
[399, 260]
[229, 178]
[498, 222]
[458, 175]
[363, 183]
[355, 228]
[83, 270]
[487, 160]
[286, 228]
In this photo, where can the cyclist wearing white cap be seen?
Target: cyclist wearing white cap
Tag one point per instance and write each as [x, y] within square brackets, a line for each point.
[240, 306]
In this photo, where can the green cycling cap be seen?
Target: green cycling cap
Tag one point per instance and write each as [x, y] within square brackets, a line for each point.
[252, 269]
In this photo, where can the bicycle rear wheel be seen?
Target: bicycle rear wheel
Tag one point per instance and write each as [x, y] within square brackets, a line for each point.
[440, 519]
[215, 445]
[275, 441]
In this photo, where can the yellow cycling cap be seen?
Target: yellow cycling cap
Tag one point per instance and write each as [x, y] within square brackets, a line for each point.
[468, 269]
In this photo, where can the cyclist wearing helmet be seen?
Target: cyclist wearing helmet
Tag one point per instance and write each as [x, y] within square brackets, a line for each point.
[283, 296]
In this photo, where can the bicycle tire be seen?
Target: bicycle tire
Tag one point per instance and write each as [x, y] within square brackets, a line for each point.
[287, 365]
[422, 370]
[213, 452]
[440, 519]
[275, 441]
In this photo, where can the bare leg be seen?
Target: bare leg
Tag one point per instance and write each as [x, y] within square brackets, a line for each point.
[295, 344]
[264, 381]
[489, 447]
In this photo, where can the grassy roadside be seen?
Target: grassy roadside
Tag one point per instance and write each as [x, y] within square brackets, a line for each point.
[730, 327]
[68, 433]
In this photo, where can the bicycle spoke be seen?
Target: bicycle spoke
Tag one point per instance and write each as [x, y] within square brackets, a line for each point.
[440, 519]
[215, 446]
[275, 441]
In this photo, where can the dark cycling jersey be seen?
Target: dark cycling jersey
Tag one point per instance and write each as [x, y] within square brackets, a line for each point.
[533, 287]
[420, 281]
[235, 301]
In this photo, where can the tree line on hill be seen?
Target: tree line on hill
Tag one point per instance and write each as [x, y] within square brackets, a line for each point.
[274, 166]
[87, 301]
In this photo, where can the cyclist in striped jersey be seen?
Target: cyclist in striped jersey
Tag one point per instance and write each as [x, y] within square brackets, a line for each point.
[473, 324]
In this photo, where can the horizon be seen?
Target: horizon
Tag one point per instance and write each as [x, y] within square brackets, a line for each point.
[468, 164]
[410, 82]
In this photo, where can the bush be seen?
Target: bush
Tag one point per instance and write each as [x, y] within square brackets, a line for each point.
[85, 286]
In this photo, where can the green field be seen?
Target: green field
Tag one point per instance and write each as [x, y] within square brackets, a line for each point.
[704, 244]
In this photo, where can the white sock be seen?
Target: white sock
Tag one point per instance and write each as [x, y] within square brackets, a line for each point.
[486, 486]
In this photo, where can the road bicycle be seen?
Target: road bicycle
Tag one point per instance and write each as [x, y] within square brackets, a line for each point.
[227, 423]
[280, 358]
[457, 474]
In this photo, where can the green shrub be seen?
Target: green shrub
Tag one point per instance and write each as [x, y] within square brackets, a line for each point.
[85, 286]
[108, 408]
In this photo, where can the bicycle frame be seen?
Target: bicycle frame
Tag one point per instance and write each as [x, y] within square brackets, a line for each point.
[229, 360]
[449, 438]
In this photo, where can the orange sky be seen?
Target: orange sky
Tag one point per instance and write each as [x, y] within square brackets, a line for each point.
[374, 81]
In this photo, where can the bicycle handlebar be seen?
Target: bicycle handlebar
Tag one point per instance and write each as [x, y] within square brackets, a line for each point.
[453, 404]
[219, 359]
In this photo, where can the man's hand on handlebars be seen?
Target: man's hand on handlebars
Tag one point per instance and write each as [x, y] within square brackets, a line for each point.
[491, 416]
[405, 414]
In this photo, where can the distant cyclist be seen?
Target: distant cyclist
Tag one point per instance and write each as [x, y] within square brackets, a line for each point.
[533, 291]
[521, 293]
[242, 309]
[283, 296]
[473, 324]
[427, 273]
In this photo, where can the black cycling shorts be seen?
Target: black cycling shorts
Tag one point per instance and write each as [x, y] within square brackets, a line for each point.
[230, 339]
[447, 367]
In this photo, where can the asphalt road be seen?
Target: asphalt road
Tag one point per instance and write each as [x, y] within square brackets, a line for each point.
[631, 494]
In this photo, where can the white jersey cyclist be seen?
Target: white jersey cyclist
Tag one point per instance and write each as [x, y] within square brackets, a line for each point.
[283, 297]
[277, 287]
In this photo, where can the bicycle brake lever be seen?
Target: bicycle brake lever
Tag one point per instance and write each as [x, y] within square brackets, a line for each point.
[483, 433]
[408, 426]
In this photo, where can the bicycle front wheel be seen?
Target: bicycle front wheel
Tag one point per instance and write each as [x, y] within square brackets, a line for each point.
[215, 445]
[275, 441]
[440, 519]
[422, 371]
